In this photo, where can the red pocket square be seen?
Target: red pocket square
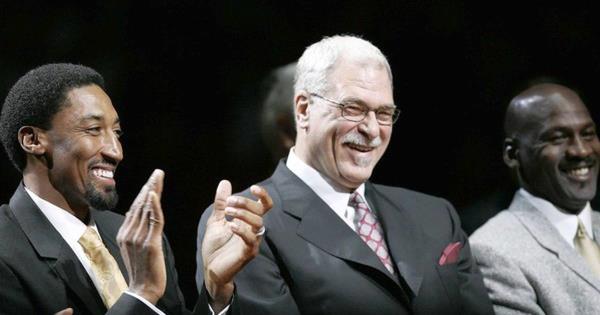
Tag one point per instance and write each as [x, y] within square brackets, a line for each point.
[450, 254]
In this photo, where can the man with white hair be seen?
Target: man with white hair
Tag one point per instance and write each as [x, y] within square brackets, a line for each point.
[336, 243]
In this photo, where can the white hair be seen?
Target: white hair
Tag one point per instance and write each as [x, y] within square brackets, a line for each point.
[318, 60]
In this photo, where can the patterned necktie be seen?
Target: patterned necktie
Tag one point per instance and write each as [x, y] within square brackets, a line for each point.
[587, 248]
[369, 230]
[105, 268]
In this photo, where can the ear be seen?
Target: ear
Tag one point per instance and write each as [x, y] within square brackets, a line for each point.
[510, 152]
[32, 140]
[301, 109]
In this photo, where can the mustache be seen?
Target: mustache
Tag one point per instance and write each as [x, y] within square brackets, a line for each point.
[358, 139]
[103, 161]
[578, 162]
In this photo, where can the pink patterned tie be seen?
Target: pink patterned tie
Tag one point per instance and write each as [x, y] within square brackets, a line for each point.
[370, 231]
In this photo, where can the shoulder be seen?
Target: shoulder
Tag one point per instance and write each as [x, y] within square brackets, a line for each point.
[409, 197]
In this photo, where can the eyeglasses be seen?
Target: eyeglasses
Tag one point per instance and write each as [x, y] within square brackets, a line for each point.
[355, 112]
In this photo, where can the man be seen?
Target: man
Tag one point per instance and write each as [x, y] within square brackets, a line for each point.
[277, 114]
[540, 256]
[60, 251]
[326, 250]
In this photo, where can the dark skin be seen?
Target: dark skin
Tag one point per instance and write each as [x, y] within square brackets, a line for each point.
[81, 151]
[551, 143]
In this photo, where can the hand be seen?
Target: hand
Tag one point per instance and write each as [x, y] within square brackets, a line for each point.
[140, 241]
[230, 240]
[66, 311]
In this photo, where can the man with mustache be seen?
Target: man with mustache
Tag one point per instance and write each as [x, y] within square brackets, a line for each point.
[541, 255]
[60, 249]
[336, 243]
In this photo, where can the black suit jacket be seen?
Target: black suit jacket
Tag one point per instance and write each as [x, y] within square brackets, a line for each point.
[311, 262]
[40, 274]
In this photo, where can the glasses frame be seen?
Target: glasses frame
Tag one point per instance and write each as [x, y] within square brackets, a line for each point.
[342, 106]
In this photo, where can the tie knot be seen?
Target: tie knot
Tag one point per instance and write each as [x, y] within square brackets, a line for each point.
[580, 229]
[356, 199]
[90, 239]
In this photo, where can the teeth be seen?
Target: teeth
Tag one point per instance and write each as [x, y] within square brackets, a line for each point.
[579, 171]
[103, 173]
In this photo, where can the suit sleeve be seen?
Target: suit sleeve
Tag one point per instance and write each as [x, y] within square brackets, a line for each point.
[507, 285]
[474, 299]
[12, 295]
[260, 288]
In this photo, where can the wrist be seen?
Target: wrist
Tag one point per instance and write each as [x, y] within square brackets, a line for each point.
[219, 295]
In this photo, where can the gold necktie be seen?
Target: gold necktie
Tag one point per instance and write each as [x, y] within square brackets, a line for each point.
[587, 248]
[105, 268]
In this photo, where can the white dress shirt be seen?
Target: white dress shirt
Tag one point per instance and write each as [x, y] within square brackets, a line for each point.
[564, 222]
[71, 229]
[336, 199]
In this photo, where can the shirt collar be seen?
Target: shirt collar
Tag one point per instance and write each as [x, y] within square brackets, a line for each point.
[67, 225]
[564, 222]
[337, 200]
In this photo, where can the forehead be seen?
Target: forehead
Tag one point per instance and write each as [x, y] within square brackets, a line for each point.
[558, 112]
[368, 78]
[86, 103]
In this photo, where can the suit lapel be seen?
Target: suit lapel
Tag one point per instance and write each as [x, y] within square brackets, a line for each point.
[50, 246]
[549, 238]
[320, 226]
[402, 235]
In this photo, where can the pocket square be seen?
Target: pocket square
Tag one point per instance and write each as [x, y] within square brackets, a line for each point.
[450, 254]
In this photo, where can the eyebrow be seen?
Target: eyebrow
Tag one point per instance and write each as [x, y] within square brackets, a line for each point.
[352, 99]
[97, 117]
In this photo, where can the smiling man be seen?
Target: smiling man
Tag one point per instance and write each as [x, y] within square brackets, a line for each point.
[541, 256]
[335, 243]
[61, 249]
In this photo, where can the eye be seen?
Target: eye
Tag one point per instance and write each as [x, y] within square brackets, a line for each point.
[94, 130]
[353, 109]
[558, 138]
[589, 134]
[118, 132]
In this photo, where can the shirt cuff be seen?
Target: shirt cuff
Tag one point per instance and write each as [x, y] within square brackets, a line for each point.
[152, 306]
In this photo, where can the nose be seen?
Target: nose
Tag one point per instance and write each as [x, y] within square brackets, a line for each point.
[112, 148]
[579, 147]
[369, 126]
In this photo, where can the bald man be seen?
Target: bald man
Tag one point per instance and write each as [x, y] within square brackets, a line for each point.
[540, 256]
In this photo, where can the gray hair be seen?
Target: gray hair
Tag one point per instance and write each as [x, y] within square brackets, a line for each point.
[318, 60]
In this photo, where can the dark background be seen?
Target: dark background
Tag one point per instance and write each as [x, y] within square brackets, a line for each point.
[185, 78]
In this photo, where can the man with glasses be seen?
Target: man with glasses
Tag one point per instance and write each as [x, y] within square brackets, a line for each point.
[336, 243]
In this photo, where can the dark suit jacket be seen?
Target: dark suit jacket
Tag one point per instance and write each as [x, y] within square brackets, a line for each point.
[311, 262]
[40, 274]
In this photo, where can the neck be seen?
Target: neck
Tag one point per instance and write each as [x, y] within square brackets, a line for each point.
[41, 185]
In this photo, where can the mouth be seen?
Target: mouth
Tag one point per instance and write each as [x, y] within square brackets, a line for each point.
[104, 173]
[579, 173]
[360, 148]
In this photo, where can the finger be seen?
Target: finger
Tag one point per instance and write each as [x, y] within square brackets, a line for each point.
[142, 223]
[253, 220]
[263, 197]
[156, 219]
[245, 203]
[156, 182]
[132, 216]
[223, 191]
[244, 231]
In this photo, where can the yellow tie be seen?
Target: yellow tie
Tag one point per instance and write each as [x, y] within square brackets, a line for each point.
[587, 248]
[105, 268]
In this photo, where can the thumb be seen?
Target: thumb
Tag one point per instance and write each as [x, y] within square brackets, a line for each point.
[223, 191]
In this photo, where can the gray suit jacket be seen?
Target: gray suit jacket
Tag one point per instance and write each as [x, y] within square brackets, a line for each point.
[529, 268]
